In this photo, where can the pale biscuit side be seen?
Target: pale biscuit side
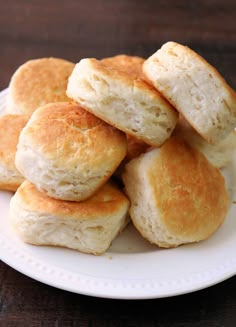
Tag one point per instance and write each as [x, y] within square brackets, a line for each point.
[195, 89]
[88, 227]
[219, 154]
[129, 104]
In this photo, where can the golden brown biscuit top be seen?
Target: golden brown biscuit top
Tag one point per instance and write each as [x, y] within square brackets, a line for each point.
[10, 128]
[129, 64]
[70, 135]
[107, 201]
[38, 82]
[188, 189]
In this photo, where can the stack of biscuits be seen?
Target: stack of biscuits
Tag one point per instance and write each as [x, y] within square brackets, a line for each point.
[163, 127]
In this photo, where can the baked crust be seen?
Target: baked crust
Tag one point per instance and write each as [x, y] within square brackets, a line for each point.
[129, 64]
[10, 129]
[176, 195]
[122, 100]
[194, 88]
[38, 82]
[88, 226]
[219, 154]
[67, 152]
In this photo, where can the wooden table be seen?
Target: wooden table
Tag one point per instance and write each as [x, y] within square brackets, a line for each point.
[99, 28]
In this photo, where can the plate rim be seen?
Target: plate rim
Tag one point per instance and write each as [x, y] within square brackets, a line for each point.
[78, 283]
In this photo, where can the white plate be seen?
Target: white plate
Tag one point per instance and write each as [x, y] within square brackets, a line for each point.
[132, 268]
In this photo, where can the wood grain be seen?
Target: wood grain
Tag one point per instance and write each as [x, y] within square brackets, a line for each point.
[25, 302]
[99, 28]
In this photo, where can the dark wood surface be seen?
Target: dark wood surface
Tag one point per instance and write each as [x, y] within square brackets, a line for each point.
[99, 28]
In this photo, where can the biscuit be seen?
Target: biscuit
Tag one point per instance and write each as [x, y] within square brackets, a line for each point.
[3, 95]
[38, 82]
[88, 226]
[194, 88]
[10, 128]
[134, 147]
[130, 104]
[67, 152]
[219, 154]
[176, 195]
[133, 65]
